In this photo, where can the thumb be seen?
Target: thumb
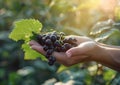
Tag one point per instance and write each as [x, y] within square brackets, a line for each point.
[83, 48]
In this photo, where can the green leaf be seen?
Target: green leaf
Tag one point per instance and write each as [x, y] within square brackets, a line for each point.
[23, 29]
[61, 68]
[109, 75]
[30, 53]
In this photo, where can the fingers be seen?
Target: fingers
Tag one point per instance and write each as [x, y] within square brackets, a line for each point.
[80, 39]
[38, 49]
[82, 49]
[36, 46]
[33, 42]
[63, 59]
[60, 56]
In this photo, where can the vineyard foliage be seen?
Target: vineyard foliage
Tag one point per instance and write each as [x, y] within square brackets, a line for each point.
[79, 17]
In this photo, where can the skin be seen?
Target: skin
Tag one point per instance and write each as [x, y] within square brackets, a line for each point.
[86, 50]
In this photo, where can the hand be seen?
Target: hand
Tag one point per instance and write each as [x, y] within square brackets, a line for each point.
[81, 53]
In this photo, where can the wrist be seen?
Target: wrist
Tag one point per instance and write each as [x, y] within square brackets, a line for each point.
[101, 54]
[108, 56]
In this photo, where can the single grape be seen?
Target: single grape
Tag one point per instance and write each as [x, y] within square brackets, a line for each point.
[63, 49]
[45, 48]
[48, 42]
[51, 58]
[50, 63]
[53, 38]
[49, 51]
[67, 45]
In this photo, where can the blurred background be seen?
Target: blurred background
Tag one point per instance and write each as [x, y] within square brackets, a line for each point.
[98, 19]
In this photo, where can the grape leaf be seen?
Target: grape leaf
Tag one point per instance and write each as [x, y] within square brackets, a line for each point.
[23, 30]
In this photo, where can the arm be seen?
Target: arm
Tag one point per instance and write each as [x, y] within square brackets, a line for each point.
[109, 56]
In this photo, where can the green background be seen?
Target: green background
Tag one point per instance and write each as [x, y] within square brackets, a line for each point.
[79, 17]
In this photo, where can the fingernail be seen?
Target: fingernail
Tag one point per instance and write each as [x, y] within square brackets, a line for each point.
[68, 54]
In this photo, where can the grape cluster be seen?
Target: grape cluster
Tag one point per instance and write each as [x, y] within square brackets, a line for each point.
[55, 41]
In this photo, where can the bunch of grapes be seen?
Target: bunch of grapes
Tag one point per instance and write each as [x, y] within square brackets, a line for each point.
[55, 41]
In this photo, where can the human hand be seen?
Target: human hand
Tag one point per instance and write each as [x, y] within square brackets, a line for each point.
[75, 55]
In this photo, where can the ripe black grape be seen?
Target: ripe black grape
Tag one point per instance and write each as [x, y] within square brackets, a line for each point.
[48, 42]
[53, 38]
[67, 46]
[45, 48]
[51, 58]
[63, 48]
[49, 51]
